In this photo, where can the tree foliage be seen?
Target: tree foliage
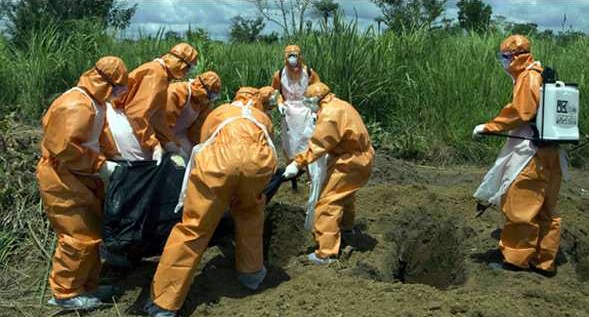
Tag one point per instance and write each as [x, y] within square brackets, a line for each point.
[524, 28]
[410, 15]
[246, 29]
[325, 8]
[474, 15]
[24, 16]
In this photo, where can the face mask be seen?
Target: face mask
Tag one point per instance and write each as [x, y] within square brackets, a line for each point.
[293, 61]
[505, 62]
[311, 103]
[118, 91]
[505, 59]
[213, 96]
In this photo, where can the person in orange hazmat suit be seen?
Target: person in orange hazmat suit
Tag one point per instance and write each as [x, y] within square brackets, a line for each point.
[230, 168]
[71, 175]
[187, 107]
[531, 179]
[137, 123]
[341, 134]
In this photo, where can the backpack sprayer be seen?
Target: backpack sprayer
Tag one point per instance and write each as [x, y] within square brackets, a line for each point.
[557, 119]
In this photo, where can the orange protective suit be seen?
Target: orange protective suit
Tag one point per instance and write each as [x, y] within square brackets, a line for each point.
[235, 163]
[340, 132]
[71, 190]
[185, 114]
[144, 105]
[293, 73]
[531, 235]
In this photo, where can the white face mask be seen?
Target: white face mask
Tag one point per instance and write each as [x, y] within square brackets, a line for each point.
[311, 103]
[293, 61]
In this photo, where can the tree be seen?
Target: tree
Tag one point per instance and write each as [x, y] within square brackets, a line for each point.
[474, 15]
[269, 38]
[325, 8]
[197, 35]
[523, 28]
[173, 35]
[410, 15]
[379, 20]
[246, 29]
[288, 15]
[23, 16]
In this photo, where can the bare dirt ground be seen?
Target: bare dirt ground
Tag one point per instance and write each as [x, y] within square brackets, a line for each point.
[421, 252]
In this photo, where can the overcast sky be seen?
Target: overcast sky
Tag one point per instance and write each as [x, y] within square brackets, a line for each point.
[215, 15]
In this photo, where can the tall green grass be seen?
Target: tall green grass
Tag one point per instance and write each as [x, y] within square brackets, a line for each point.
[423, 92]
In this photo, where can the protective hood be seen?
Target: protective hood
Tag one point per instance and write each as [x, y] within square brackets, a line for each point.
[268, 97]
[319, 90]
[109, 71]
[519, 64]
[179, 58]
[205, 84]
[245, 94]
[296, 50]
[519, 47]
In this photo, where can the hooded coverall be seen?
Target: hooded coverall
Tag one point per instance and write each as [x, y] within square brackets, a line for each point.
[294, 73]
[186, 113]
[144, 104]
[531, 234]
[341, 133]
[236, 161]
[71, 190]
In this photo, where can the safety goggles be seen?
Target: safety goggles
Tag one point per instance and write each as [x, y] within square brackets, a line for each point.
[116, 87]
[210, 94]
[509, 56]
[189, 65]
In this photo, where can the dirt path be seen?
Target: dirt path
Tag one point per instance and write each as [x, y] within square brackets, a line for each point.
[421, 253]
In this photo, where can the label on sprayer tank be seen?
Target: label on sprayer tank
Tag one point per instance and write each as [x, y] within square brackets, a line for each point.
[566, 114]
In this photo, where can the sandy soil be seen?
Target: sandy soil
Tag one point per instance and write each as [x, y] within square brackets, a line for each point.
[420, 252]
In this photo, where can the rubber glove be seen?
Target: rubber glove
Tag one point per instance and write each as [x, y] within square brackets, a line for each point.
[281, 108]
[478, 131]
[106, 170]
[291, 170]
[178, 160]
[158, 152]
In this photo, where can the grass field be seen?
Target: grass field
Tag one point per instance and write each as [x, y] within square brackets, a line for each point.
[421, 93]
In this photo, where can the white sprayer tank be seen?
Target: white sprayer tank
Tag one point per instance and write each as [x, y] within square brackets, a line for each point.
[557, 119]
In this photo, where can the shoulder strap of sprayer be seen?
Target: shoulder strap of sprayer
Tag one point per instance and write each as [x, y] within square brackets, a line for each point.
[536, 135]
[549, 75]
